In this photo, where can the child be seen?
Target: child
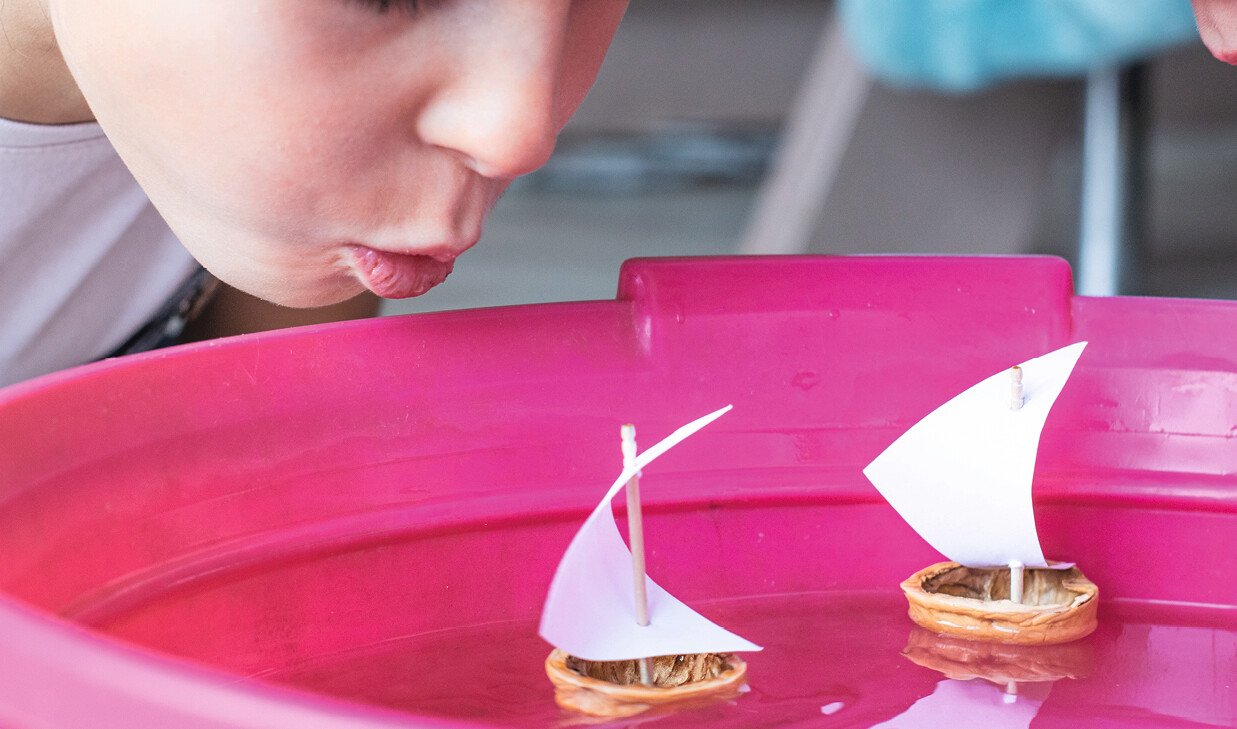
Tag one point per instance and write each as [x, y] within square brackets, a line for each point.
[301, 150]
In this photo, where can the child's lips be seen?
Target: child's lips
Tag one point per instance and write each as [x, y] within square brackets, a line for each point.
[397, 275]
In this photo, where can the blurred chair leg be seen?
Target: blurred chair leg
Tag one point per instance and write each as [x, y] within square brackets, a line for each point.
[814, 139]
[1112, 230]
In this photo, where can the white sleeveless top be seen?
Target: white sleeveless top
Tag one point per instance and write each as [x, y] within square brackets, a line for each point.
[85, 260]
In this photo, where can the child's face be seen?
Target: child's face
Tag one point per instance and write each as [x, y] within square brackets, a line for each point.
[1217, 23]
[294, 145]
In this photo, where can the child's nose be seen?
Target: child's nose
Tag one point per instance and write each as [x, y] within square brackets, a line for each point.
[501, 111]
[503, 133]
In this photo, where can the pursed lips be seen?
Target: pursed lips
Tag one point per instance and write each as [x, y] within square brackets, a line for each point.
[398, 275]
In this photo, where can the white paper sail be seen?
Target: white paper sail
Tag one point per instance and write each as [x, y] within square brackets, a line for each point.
[590, 610]
[961, 477]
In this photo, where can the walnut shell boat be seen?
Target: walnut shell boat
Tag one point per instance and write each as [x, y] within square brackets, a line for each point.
[1058, 605]
[575, 691]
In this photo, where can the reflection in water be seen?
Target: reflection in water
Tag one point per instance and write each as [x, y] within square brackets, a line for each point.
[832, 707]
[994, 685]
[1156, 674]
[972, 705]
[832, 660]
[999, 663]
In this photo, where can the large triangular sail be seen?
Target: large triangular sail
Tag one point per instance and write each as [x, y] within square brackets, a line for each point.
[961, 477]
[590, 610]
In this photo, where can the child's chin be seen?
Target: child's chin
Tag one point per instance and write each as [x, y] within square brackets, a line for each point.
[301, 295]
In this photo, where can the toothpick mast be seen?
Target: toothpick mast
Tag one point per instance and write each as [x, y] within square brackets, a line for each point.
[635, 535]
[1016, 401]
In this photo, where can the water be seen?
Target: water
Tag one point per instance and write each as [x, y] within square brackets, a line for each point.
[830, 660]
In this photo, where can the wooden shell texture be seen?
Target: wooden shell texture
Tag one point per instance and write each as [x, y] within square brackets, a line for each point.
[1058, 606]
[678, 679]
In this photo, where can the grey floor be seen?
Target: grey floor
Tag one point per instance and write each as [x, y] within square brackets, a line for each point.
[561, 234]
[546, 245]
[554, 245]
[665, 156]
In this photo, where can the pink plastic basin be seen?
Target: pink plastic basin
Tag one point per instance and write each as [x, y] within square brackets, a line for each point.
[244, 533]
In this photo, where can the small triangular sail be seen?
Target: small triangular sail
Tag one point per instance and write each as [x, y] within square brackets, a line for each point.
[961, 477]
[590, 610]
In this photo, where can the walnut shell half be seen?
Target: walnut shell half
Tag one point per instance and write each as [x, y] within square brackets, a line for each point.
[973, 603]
[597, 697]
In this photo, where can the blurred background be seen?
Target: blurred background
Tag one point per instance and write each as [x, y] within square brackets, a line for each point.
[883, 126]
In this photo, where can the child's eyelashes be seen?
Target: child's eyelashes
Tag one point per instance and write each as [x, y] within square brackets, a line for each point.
[384, 6]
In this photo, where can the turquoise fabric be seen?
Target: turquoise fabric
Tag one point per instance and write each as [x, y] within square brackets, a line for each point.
[962, 45]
